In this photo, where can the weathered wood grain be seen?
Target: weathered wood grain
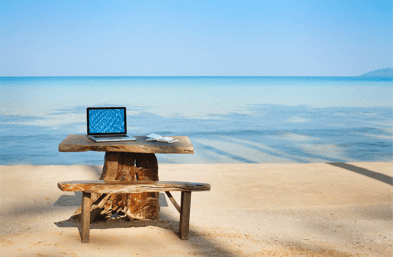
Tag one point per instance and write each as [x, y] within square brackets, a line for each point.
[111, 166]
[185, 214]
[124, 187]
[144, 205]
[85, 222]
[80, 143]
[126, 167]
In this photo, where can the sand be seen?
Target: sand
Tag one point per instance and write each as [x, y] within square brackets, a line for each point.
[319, 209]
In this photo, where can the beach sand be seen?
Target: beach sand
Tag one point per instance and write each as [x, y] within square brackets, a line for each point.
[317, 209]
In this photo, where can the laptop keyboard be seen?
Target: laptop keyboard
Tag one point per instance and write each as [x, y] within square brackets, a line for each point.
[108, 136]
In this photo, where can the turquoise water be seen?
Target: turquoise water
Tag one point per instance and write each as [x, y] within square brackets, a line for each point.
[228, 119]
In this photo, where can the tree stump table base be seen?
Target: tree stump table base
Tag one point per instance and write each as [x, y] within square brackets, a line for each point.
[122, 166]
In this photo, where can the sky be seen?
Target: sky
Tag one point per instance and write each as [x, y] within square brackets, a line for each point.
[194, 38]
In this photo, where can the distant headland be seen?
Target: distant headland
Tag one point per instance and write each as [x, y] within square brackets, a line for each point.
[388, 72]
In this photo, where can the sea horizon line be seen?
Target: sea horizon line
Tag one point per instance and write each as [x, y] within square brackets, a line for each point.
[185, 76]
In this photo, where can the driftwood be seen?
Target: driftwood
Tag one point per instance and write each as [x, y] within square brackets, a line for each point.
[126, 161]
[80, 143]
[124, 187]
[126, 167]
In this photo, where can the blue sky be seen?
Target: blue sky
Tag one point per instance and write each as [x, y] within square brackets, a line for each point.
[194, 38]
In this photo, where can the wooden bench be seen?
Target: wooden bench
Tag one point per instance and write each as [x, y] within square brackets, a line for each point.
[126, 187]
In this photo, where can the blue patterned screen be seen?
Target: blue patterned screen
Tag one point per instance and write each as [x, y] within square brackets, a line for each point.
[106, 121]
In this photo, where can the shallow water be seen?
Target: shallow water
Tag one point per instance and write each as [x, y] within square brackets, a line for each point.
[228, 119]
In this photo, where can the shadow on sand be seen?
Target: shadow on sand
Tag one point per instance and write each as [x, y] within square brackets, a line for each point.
[365, 172]
[164, 221]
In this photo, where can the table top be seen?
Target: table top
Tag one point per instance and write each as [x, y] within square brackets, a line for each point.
[80, 143]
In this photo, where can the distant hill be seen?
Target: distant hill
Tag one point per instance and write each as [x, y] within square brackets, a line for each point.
[388, 72]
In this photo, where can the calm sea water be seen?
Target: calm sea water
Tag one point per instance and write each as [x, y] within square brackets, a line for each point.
[228, 119]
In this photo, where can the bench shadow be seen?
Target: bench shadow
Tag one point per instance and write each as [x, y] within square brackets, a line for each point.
[164, 221]
[69, 200]
[365, 172]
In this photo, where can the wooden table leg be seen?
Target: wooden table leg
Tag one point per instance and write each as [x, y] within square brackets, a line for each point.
[126, 166]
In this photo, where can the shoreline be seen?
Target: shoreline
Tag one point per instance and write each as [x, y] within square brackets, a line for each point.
[324, 209]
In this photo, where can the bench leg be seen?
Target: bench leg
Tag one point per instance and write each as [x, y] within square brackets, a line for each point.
[185, 214]
[85, 221]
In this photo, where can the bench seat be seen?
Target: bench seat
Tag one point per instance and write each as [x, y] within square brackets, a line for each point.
[126, 187]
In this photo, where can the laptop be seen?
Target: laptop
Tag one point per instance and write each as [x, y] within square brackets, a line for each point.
[107, 124]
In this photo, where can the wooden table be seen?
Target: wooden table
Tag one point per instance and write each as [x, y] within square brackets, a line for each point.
[127, 160]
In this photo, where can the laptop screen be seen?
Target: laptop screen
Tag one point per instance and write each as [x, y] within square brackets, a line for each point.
[106, 120]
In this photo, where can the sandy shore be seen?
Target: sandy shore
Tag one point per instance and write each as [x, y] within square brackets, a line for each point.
[321, 209]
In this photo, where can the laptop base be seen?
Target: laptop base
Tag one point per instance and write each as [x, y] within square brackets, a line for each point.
[111, 138]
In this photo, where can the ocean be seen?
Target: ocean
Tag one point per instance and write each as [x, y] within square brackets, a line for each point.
[228, 119]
